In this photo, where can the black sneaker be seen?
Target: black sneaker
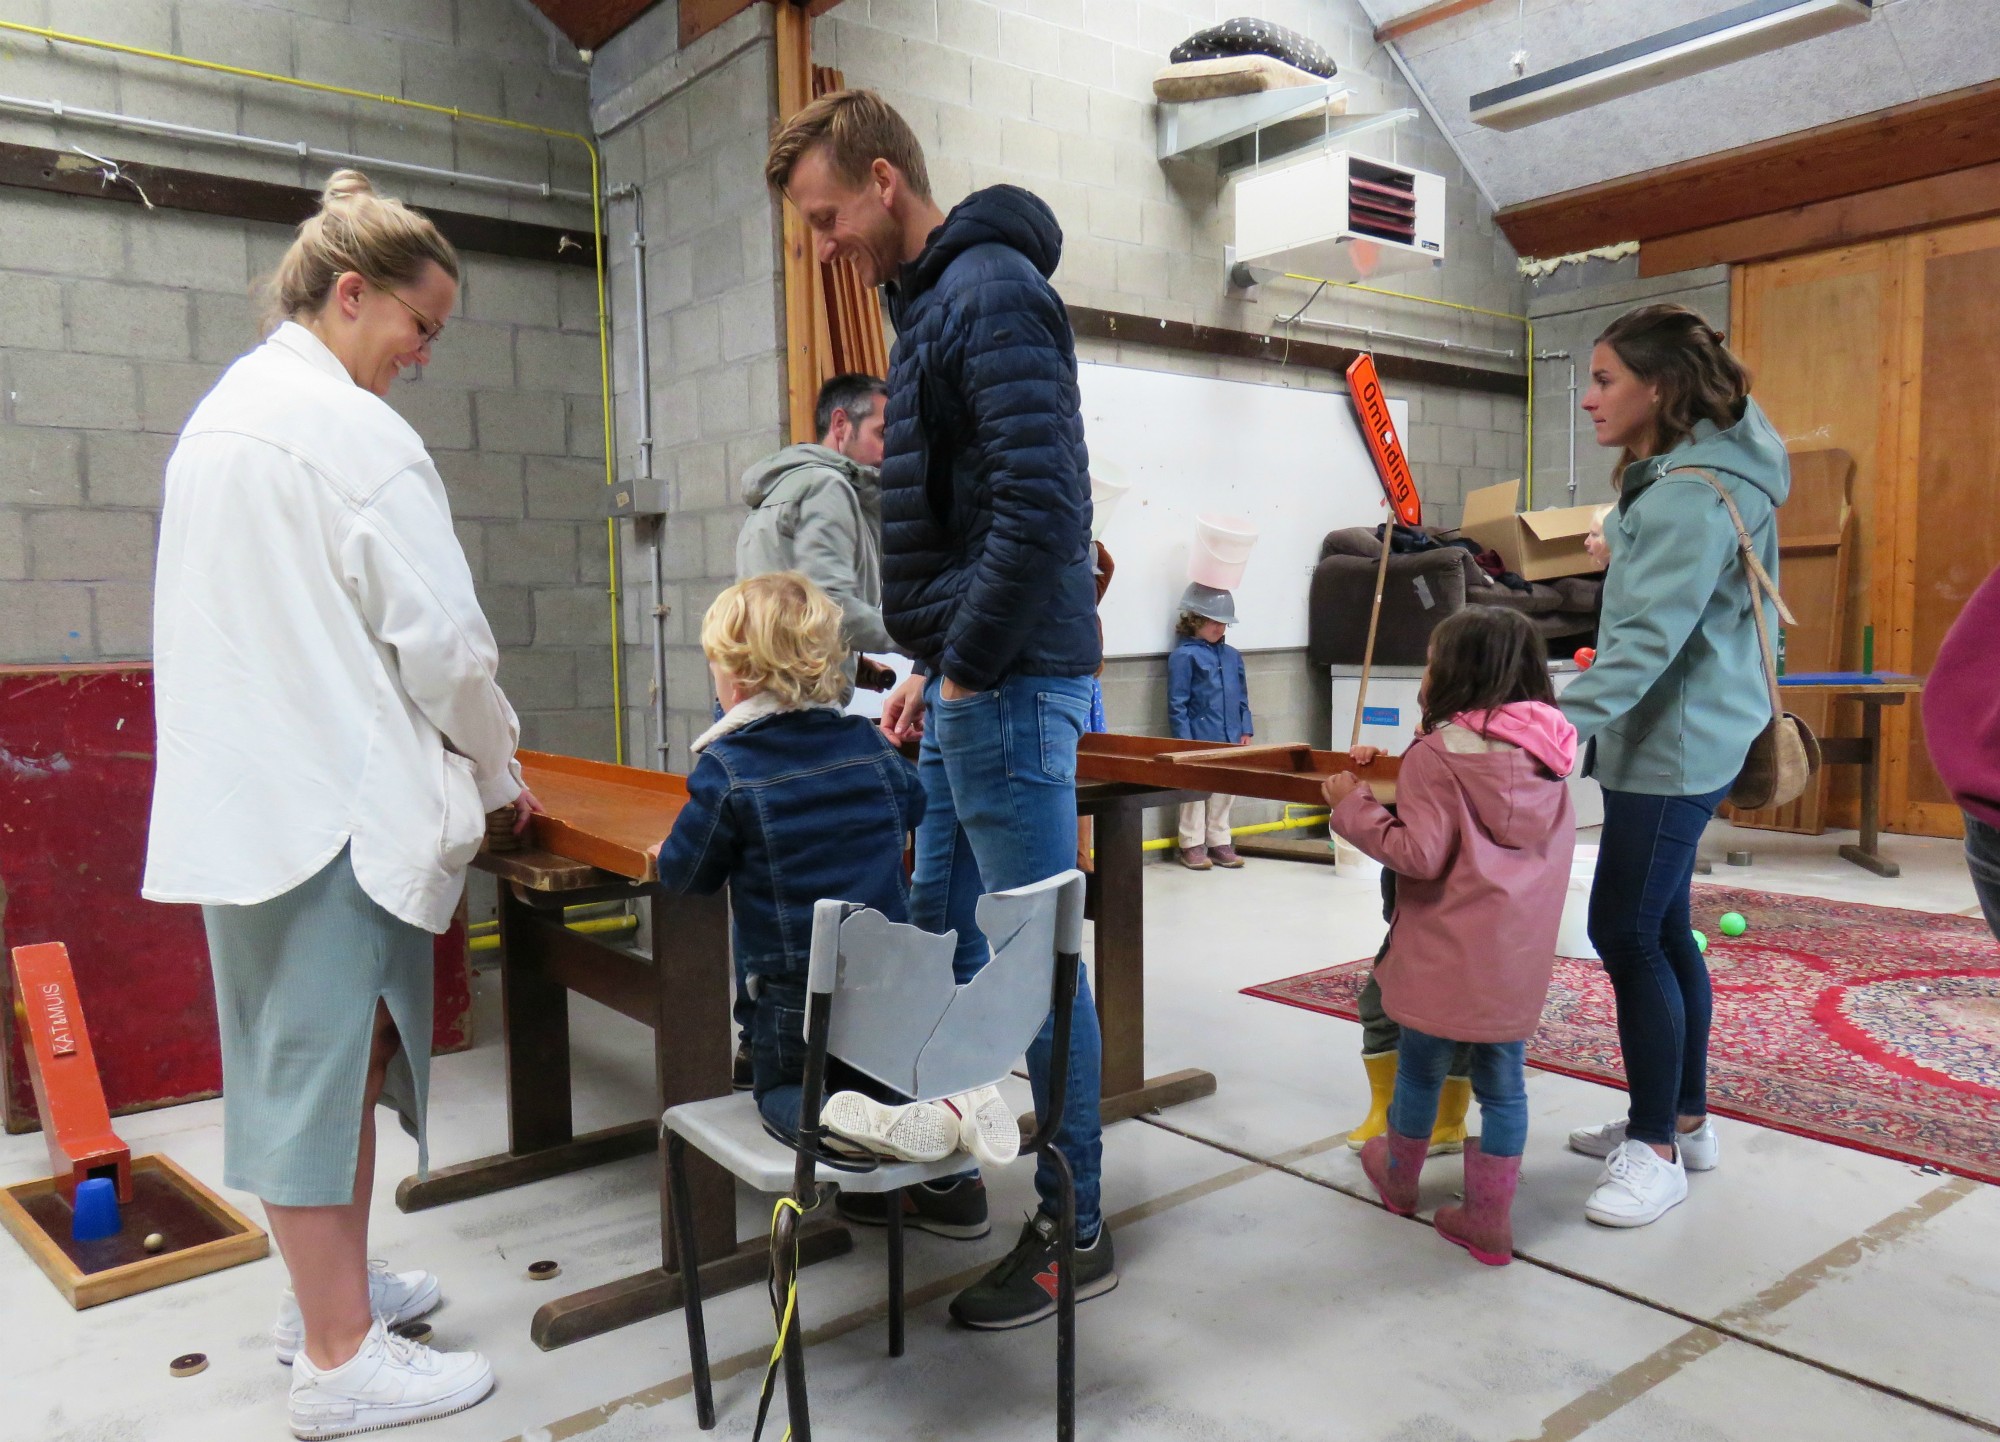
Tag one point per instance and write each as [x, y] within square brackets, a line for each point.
[957, 1211]
[1022, 1289]
[741, 1078]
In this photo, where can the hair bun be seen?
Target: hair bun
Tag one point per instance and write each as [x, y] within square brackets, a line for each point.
[345, 185]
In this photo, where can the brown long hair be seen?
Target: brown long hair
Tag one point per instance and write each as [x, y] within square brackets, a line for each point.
[1700, 378]
[1483, 657]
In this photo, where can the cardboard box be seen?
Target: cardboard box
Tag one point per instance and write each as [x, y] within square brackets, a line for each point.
[1540, 545]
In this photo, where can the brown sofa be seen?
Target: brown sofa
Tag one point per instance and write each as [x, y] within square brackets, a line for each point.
[1422, 588]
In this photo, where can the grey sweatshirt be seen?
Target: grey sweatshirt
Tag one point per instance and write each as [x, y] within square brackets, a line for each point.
[814, 510]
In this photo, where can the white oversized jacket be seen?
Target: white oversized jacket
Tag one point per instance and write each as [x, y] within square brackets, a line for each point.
[316, 644]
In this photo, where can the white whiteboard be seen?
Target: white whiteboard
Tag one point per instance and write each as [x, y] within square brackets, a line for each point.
[1292, 460]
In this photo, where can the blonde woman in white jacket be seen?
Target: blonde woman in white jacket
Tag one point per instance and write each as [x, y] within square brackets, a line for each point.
[331, 735]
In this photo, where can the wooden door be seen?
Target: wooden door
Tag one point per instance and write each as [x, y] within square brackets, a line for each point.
[1822, 335]
[1949, 467]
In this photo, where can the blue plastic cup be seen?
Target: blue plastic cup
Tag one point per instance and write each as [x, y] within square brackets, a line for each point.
[96, 1213]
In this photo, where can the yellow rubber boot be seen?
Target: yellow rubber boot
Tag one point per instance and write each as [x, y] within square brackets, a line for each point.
[1381, 1086]
[1448, 1135]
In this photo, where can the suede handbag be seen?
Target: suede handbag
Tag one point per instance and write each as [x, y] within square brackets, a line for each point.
[1785, 756]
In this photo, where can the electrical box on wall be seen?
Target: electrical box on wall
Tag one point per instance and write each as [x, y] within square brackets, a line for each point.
[1339, 216]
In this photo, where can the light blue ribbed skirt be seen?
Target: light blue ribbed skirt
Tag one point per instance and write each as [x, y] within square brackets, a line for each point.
[296, 982]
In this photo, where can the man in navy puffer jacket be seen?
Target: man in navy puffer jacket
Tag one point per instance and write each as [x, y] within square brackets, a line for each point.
[986, 580]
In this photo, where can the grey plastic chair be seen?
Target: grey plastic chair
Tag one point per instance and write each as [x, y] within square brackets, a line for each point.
[882, 999]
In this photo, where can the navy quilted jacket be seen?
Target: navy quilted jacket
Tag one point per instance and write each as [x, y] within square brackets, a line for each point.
[985, 487]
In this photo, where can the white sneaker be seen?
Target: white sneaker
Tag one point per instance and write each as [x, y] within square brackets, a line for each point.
[1701, 1149]
[393, 1298]
[390, 1381]
[912, 1132]
[987, 1127]
[1638, 1186]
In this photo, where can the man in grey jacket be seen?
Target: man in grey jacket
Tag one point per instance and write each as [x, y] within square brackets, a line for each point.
[817, 508]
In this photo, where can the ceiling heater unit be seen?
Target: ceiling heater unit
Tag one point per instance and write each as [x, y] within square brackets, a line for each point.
[1339, 216]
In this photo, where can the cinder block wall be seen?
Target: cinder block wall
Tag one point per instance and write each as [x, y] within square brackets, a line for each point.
[689, 128]
[1060, 101]
[115, 320]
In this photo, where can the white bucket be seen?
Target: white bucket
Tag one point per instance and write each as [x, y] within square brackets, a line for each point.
[1222, 547]
[1107, 487]
[1573, 935]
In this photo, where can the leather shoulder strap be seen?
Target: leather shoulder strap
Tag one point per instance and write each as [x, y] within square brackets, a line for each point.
[1761, 585]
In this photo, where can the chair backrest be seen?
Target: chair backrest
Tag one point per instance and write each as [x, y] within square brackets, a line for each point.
[897, 1014]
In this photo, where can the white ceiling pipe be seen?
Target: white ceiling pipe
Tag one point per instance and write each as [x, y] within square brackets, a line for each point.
[295, 149]
[1404, 338]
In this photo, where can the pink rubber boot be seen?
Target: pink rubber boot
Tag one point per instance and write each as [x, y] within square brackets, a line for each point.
[1393, 1163]
[1484, 1226]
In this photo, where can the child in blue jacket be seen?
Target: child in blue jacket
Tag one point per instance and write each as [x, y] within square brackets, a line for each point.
[791, 801]
[1207, 700]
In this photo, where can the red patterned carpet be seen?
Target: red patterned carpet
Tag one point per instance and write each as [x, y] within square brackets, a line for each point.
[1871, 1027]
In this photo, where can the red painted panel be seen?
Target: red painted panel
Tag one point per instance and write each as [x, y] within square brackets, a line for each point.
[76, 788]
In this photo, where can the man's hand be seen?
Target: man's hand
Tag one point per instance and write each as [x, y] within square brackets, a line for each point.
[1336, 789]
[950, 690]
[903, 711]
[526, 809]
[1364, 755]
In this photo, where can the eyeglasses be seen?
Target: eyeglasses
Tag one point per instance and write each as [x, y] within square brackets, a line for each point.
[429, 329]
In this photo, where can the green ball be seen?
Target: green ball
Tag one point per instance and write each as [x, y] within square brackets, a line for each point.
[1701, 940]
[1732, 924]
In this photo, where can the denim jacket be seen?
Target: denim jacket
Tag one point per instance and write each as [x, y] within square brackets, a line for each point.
[785, 810]
[1208, 697]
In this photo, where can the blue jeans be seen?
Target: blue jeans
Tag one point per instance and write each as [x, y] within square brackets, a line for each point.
[1641, 926]
[777, 1033]
[1982, 858]
[1499, 1080]
[999, 777]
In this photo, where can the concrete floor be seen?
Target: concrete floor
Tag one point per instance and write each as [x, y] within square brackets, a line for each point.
[1804, 1290]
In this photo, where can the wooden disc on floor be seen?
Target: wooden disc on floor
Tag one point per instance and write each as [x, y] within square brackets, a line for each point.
[418, 1331]
[544, 1271]
[188, 1364]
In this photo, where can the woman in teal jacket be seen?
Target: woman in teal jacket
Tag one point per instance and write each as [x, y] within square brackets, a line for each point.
[1668, 711]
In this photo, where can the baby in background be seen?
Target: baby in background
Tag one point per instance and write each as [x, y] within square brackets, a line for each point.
[1208, 699]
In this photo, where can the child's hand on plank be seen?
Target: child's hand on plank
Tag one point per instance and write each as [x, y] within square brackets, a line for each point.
[1336, 789]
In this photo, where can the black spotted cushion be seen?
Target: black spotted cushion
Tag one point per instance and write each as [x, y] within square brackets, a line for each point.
[1246, 35]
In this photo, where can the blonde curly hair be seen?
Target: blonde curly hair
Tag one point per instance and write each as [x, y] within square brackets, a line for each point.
[778, 633]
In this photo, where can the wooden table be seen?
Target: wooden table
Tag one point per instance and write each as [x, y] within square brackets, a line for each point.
[1864, 751]
[683, 992]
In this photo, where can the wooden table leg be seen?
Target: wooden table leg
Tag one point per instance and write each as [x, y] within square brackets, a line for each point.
[1120, 926]
[1868, 854]
[541, 1140]
[693, 1049]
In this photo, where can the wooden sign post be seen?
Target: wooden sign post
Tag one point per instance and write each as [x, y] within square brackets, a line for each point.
[1405, 505]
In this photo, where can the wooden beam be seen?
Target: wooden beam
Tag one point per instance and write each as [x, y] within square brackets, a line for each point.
[1963, 195]
[805, 311]
[589, 23]
[169, 187]
[1425, 18]
[1315, 355]
[1924, 138]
